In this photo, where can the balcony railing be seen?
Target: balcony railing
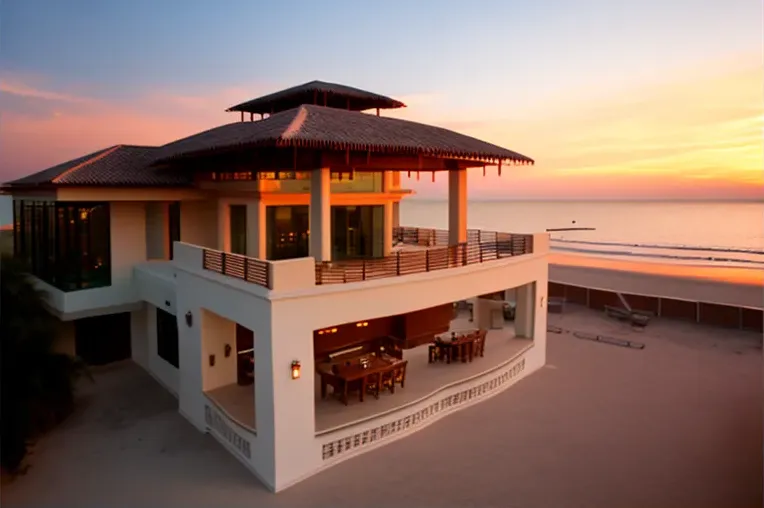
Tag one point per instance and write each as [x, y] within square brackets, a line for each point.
[245, 268]
[430, 252]
[436, 254]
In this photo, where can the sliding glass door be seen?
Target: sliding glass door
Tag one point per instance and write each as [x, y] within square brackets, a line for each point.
[357, 232]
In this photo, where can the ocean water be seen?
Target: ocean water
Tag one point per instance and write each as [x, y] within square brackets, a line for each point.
[700, 233]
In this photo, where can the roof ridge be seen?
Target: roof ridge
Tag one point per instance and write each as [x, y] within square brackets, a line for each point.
[104, 153]
[295, 126]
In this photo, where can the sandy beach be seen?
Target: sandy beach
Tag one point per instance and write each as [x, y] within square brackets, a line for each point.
[675, 424]
[732, 275]
[728, 286]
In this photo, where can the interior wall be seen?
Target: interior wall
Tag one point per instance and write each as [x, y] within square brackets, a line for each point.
[217, 332]
[414, 328]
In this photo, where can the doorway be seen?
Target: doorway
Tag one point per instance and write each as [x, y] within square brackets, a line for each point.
[357, 232]
[238, 229]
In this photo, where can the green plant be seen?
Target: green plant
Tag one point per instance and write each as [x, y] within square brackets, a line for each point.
[38, 384]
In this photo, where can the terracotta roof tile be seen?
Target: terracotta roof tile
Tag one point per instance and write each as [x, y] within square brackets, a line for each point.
[318, 127]
[337, 96]
[122, 165]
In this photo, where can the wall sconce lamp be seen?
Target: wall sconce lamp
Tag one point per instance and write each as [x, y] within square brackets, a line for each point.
[227, 350]
[295, 368]
[189, 319]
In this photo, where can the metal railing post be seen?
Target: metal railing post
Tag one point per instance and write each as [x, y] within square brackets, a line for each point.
[398, 263]
[427, 260]
[222, 262]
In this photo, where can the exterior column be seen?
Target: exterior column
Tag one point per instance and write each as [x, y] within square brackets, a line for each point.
[256, 229]
[224, 225]
[397, 214]
[320, 215]
[457, 207]
[285, 407]
[525, 310]
[388, 222]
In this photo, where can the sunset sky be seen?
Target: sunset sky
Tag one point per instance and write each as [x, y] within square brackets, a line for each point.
[652, 99]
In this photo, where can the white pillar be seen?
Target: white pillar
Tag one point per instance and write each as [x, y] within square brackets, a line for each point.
[320, 215]
[457, 207]
[388, 221]
[256, 229]
[224, 225]
[525, 310]
[285, 407]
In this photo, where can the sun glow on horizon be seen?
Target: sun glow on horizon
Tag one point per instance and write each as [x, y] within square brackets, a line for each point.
[695, 134]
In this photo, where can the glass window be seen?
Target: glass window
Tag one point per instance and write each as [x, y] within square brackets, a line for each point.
[67, 245]
[174, 223]
[238, 226]
[167, 337]
[287, 229]
[357, 232]
[297, 182]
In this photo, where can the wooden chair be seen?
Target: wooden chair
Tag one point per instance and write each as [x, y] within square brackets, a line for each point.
[396, 375]
[478, 343]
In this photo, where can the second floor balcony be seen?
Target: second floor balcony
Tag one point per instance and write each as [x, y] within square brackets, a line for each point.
[415, 251]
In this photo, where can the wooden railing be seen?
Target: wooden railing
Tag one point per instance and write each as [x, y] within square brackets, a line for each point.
[235, 265]
[481, 246]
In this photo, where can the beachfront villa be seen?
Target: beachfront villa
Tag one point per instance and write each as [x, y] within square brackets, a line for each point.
[259, 273]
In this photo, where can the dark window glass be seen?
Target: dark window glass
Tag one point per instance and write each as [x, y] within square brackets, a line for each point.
[287, 231]
[167, 337]
[174, 224]
[238, 223]
[357, 232]
[66, 245]
[18, 231]
[27, 229]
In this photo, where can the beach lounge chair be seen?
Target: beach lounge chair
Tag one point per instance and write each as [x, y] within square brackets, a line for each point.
[636, 318]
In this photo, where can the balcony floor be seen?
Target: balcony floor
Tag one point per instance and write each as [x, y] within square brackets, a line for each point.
[422, 379]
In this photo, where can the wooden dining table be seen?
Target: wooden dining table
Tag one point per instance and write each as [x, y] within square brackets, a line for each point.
[462, 345]
[340, 377]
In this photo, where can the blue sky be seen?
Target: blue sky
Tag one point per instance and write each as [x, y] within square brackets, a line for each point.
[482, 61]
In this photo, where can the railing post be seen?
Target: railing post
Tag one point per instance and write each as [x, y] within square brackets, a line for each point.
[398, 263]
[427, 260]
[246, 270]
[464, 254]
[496, 240]
[480, 252]
[222, 263]
[363, 269]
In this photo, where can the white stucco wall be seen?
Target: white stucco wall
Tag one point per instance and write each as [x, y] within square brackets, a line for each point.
[202, 293]
[157, 232]
[199, 223]
[286, 448]
[143, 330]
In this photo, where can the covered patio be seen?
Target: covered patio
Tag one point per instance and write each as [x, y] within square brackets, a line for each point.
[423, 379]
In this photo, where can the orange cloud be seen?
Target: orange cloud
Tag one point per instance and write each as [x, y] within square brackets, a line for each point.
[696, 134]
